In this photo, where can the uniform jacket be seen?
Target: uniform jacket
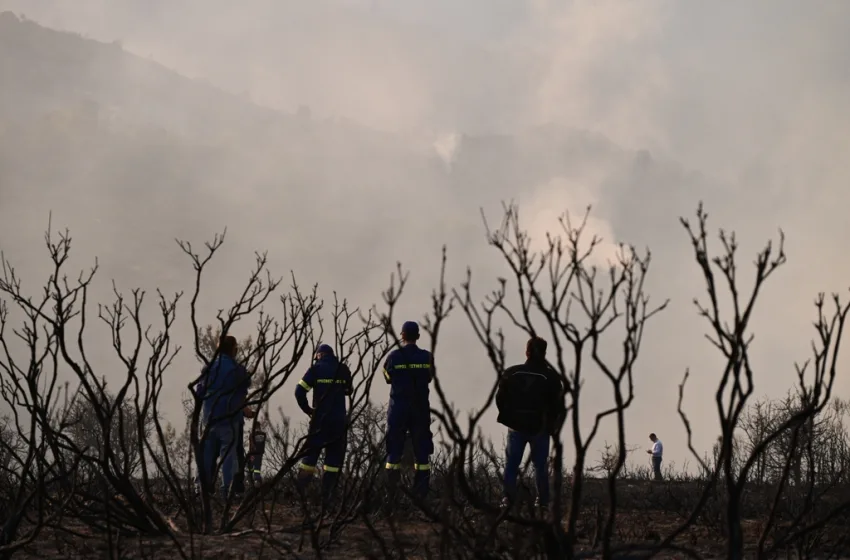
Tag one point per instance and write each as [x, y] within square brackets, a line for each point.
[330, 380]
[530, 397]
[409, 371]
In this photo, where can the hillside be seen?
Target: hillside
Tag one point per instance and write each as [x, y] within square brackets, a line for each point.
[45, 70]
[339, 58]
[86, 121]
[122, 148]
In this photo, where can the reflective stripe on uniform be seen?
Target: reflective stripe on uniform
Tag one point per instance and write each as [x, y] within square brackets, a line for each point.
[393, 466]
[308, 468]
[329, 468]
[305, 385]
[422, 467]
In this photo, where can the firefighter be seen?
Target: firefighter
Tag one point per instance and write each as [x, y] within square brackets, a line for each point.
[409, 371]
[331, 383]
[256, 450]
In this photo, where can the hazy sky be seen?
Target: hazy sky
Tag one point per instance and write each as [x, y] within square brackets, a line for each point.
[743, 104]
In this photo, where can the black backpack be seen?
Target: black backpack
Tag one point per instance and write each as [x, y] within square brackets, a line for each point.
[528, 393]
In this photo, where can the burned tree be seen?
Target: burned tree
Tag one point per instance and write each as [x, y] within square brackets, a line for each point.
[78, 450]
[730, 333]
[552, 286]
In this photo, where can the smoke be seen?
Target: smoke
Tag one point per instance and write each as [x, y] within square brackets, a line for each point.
[446, 146]
[562, 203]
[599, 67]
[746, 106]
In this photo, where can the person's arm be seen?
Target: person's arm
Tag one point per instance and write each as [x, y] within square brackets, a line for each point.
[556, 404]
[200, 387]
[565, 384]
[240, 388]
[388, 367]
[349, 381]
[301, 390]
[433, 370]
[244, 384]
[501, 392]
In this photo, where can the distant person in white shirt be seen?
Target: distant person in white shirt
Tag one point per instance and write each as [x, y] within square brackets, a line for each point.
[657, 451]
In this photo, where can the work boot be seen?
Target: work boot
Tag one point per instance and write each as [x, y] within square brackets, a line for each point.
[393, 479]
[329, 483]
[302, 481]
[421, 484]
[541, 509]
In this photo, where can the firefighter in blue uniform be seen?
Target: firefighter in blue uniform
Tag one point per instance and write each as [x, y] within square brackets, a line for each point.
[409, 371]
[330, 381]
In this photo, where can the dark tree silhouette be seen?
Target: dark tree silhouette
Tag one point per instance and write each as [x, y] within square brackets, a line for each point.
[83, 453]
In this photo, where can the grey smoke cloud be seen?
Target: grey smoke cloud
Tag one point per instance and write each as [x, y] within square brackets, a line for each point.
[743, 105]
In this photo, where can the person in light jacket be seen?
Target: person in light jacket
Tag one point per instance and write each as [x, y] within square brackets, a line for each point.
[656, 451]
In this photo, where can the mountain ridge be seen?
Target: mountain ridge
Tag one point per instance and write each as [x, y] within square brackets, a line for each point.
[264, 151]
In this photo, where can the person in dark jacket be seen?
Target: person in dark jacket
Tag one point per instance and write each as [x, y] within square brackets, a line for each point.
[224, 384]
[256, 450]
[409, 371]
[530, 399]
[330, 380]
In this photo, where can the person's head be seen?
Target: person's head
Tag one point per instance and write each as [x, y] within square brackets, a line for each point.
[324, 351]
[410, 331]
[535, 349]
[227, 345]
[653, 438]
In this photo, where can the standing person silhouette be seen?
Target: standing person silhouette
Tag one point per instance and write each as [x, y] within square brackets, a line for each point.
[330, 380]
[408, 371]
[224, 388]
[656, 452]
[530, 399]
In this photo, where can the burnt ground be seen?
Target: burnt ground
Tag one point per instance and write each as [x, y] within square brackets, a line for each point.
[649, 511]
